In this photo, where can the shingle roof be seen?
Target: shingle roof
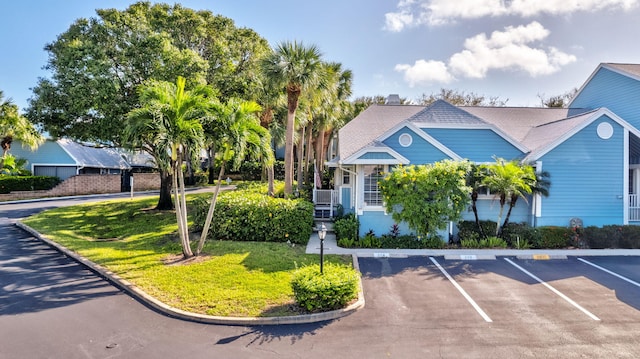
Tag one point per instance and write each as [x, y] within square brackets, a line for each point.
[88, 156]
[442, 112]
[370, 124]
[631, 69]
[533, 128]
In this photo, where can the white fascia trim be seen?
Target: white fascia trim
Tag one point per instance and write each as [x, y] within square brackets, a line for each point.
[593, 74]
[625, 179]
[487, 126]
[354, 158]
[437, 144]
[603, 111]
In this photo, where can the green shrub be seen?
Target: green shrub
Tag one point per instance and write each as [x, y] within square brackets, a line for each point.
[555, 237]
[370, 241]
[466, 228]
[493, 242]
[521, 236]
[251, 216]
[470, 243]
[630, 237]
[27, 183]
[432, 242]
[333, 289]
[347, 228]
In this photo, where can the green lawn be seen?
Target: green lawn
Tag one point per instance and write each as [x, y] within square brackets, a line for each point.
[138, 243]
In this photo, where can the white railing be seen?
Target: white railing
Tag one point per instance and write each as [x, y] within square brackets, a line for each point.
[325, 198]
[634, 207]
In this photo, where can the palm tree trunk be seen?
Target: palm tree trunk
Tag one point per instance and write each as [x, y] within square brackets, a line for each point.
[300, 174]
[183, 213]
[181, 230]
[309, 147]
[270, 180]
[293, 94]
[512, 204]
[502, 202]
[474, 200]
[212, 208]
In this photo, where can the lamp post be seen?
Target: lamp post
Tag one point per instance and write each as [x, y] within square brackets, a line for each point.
[322, 233]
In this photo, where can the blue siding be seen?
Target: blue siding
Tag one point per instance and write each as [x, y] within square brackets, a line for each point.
[49, 153]
[586, 179]
[488, 209]
[346, 198]
[616, 92]
[478, 145]
[379, 222]
[376, 156]
[420, 151]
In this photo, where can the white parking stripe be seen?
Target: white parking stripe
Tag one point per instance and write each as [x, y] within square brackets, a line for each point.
[610, 272]
[464, 294]
[589, 314]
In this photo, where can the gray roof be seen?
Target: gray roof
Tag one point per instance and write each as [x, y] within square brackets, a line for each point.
[533, 128]
[370, 124]
[442, 112]
[631, 69]
[96, 157]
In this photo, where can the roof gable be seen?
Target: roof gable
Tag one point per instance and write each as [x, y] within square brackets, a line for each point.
[442, 112]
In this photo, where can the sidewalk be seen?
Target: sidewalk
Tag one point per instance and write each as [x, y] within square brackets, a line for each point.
[331, 247]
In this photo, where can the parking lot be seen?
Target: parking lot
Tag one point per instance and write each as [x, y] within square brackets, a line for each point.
[574, 307]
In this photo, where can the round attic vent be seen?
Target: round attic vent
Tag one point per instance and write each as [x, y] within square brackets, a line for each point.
[405, 140]
[605, 130]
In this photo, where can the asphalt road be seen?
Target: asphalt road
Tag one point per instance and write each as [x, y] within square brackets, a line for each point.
[416, 307]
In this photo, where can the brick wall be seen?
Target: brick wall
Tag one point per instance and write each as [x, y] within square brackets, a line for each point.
[146, 181]
[72, 186]
[88, 184]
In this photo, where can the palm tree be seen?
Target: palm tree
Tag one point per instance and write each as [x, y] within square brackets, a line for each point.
[506, 180]
[15, 127]
[169, 125]
[243, 138]
[537, 181]
[296, 68]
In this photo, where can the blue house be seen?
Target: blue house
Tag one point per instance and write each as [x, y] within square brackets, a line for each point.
[591, 150]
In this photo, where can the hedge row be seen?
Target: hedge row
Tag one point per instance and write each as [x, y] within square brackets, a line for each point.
[520, 235]
[250, 216]
[27, 183]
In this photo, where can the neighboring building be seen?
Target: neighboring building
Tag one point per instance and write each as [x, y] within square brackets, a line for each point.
[64, 158]
[591, 150]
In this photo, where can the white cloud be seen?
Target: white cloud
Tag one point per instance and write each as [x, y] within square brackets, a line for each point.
[510, 49]
[425, 72]
[438, 12]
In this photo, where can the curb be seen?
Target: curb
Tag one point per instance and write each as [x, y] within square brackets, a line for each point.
[168, 310]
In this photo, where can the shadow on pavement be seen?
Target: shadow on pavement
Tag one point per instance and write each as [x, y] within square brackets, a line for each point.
[34, 277]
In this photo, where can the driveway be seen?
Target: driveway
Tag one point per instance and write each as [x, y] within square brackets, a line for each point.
[416, 307]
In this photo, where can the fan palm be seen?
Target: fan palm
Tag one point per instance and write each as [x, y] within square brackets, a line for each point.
[296, 68]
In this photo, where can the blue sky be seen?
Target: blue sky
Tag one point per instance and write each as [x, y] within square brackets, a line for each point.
[511, 49]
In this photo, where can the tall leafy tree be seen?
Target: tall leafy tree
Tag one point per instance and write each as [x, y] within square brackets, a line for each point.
[538, 182]
[97, 65]
[169, 123]
[461, 98]
[239, 136]
[14, 126]
[295, 68]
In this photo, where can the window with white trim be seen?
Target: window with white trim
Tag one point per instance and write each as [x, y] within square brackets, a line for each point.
[372, 176]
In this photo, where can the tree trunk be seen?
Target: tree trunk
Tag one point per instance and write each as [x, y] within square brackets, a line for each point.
[512, 204]
[300, 173]
[182, 230]
[293, 93]
[164, 202]
[503, 200]
[211, 156]
[212, 208]
[270, 180]
[474, 200]
[309, 146]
